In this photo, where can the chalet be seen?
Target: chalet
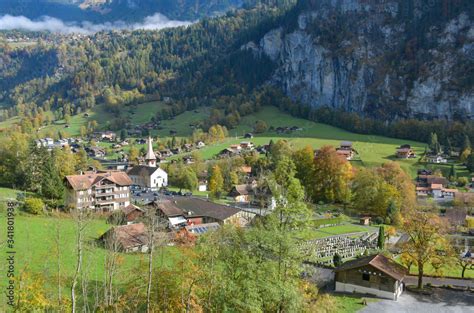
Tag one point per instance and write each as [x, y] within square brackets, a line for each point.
[375, 275]
[107, 191]
[248, 136]
[200, 144]
[246, 145]
[437, 191]
[96, 152]
[364, 220]
[437, 159]
[432, 185]
[227, 152]
[346, 154]
[188, 147]
[405, 152]
[426, 180]
[126, 238]
[242, 193]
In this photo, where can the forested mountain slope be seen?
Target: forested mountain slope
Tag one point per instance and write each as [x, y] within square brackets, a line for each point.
[381, 59]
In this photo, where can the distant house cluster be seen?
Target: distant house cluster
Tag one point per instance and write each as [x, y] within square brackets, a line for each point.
[287, 129]
[50, 143]
[236, 149]
[428, 184]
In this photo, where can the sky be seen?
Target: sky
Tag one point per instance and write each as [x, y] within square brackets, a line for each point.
[47, 23]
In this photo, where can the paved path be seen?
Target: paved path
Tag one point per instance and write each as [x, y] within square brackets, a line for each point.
[413, 280]
[442, 301]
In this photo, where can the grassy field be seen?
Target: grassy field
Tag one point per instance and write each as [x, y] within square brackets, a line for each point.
[373, 150]
[346, 228]
[35, 249]
[451, 270]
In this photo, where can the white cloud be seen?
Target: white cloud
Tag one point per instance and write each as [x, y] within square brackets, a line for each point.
[47, 23]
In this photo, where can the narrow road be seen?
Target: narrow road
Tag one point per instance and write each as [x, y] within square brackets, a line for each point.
[413, 280]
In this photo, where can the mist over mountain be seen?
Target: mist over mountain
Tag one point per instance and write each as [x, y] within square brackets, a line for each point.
[99, 11]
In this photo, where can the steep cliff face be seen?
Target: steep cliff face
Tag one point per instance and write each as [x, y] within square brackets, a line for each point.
[374, 58]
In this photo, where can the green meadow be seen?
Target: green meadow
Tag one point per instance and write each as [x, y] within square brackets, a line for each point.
[36, 250]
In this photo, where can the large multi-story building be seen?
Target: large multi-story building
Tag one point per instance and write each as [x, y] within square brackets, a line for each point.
[101, 191]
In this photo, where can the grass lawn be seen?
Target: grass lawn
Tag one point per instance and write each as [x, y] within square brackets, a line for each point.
[10, 194]
[350, 303]
[195, 192]
[142, 113]
[7, 193]
[35, 248]
[181, 123]
[452, 270]
[336, 230]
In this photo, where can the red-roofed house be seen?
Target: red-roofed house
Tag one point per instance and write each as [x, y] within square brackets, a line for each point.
[107, 191]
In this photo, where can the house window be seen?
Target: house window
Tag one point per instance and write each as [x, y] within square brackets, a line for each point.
[365, 277]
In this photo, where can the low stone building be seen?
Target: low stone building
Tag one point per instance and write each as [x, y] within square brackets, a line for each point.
[375, 275]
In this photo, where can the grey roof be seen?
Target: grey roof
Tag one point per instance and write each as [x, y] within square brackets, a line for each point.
[190, 207]
[140, 170]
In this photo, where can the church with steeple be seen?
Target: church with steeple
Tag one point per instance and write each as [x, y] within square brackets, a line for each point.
[149, 175]
[150, 157]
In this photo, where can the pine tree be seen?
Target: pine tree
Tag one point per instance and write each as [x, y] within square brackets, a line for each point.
[434, 144]
[381, 238]
[337, 260]
[51, 184]
[452, 173]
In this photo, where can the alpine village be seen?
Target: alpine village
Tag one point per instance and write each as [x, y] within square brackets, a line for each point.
[237, 156]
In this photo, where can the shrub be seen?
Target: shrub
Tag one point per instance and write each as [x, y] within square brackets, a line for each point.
[260, 126]
[378, 220]
[462, 181]
[33, 206]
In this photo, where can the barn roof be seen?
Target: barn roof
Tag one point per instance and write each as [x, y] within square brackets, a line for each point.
[380, 262]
